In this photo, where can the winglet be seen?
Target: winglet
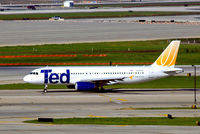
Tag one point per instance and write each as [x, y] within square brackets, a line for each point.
[168, 56]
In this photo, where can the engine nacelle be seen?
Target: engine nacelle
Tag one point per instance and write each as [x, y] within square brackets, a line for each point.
[84, 86]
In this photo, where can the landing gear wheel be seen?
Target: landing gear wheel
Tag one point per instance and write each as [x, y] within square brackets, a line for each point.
[96, 90]
[102, 90]
[45, 91]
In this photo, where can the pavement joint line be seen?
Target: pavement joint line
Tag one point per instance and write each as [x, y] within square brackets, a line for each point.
[105, 96]
[113, 99]
[121, 99]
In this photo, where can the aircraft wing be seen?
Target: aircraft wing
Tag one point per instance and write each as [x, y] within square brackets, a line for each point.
[110, 80]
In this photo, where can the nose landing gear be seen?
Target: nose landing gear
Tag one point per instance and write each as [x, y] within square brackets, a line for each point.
[45, 88]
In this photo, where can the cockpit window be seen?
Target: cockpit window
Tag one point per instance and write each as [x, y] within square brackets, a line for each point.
[34, 73]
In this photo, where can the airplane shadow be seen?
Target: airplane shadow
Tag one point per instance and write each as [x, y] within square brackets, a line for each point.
[142, 91]
[123, 91]
[58, 91]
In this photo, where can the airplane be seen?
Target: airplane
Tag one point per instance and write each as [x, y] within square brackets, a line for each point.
[95, 77]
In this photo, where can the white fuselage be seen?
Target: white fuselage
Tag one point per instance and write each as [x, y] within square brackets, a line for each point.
[116, 74]
[93, 77]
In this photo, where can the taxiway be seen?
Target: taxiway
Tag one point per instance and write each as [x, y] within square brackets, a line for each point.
[20, 105]
[116, 9]
[69, 31]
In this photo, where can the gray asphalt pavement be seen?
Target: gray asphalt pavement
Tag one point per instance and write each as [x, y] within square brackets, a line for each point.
[41, 32]
[10, 75]
[95, 129]
[118, 9]
[180, 18]
[19, 105]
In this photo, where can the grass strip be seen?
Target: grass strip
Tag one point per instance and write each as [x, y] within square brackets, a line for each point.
[72, 64]
[168, 83]
[117, 52]
[178, 121]
[28, 56]
[90, 15]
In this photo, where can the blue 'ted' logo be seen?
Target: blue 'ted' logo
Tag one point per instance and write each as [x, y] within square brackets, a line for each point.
[55, 78]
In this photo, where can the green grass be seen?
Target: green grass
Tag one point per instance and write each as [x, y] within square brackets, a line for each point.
[127, 51]
[169, 82]
[91, 15]
[178, 121]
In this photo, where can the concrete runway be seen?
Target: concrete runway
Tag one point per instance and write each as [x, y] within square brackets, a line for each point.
[19, 105]
[180, 18]
[12, 75]
[115, 9]
[41, 32]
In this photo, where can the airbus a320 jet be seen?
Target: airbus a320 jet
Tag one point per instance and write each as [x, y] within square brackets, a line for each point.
[95, 77]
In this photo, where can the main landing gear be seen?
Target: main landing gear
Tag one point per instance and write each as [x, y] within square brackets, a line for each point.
[45, 88]
[100, 88]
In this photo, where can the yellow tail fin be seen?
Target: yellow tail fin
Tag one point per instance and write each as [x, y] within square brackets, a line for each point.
[168, 56]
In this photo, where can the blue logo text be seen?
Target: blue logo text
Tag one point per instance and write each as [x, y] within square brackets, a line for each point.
[55, 78]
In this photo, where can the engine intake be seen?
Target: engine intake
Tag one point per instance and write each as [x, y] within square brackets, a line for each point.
[84, 86]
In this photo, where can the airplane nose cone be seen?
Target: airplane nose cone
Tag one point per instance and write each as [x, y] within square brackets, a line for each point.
[26, 79]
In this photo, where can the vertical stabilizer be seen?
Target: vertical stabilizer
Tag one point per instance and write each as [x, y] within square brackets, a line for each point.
[168, 56]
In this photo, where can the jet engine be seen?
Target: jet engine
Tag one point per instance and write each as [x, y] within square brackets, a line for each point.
[84, 86]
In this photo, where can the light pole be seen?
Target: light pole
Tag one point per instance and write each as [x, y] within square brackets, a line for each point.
[195, 90]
